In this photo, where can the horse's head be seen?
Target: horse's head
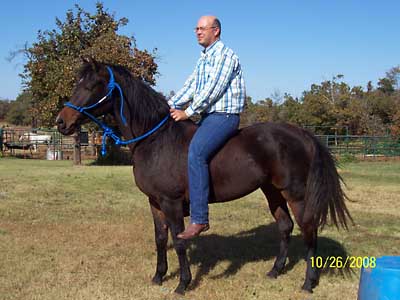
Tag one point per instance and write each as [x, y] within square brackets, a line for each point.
[89, 95]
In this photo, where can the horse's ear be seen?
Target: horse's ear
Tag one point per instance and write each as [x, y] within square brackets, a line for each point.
[89, 60]
[85, 59]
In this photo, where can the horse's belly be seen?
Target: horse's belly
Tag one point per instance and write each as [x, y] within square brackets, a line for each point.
[236, 179]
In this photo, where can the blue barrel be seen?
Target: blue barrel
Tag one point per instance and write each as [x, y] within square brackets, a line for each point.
[381, 282]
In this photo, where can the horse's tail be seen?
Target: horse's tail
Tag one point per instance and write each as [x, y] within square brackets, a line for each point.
[324, 193]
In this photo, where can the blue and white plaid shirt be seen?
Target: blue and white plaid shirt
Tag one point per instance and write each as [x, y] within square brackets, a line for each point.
[216, 85]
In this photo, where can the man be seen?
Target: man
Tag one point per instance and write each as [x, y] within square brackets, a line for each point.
[216, 91]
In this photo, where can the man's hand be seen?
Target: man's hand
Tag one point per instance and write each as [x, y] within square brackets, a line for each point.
[178, 115]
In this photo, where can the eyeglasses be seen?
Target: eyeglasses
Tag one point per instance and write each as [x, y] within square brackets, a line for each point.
[201, 29]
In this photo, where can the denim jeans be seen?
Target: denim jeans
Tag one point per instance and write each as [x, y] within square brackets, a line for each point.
[214, 131]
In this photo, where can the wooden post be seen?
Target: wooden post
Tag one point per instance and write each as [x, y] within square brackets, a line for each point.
[77, 147]
[92, 142]
[1, 140]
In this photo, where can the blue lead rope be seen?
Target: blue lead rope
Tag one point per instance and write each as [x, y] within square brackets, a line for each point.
[109, 132]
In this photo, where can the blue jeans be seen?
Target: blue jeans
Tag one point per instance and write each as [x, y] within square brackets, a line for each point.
[214, 131]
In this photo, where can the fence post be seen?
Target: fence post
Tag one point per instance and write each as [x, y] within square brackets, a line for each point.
[77, 147]
[92, 143]
[1, 139]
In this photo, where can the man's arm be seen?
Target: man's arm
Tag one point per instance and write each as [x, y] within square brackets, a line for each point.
[185, 94]
[218, 82]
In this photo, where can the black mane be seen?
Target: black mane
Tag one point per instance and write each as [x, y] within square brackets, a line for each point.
[146, 106]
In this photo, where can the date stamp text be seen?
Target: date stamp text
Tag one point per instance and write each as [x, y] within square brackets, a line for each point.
[339, 262]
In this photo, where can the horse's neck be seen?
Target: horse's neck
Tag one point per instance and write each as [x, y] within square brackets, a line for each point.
[143, 108]
[171, 140]
[151, 109]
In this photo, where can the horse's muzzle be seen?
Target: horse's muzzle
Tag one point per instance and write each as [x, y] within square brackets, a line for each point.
[65, 127]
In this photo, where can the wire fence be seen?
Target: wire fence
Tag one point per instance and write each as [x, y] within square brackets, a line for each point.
[46, 143]
[362, 145]
[50, 144]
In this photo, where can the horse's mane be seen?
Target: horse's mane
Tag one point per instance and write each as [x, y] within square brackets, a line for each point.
[147, 107]
[145, 104]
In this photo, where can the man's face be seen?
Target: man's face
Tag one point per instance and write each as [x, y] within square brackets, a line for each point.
[205, 32]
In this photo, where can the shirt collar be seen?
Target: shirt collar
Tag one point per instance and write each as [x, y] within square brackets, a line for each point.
[212, 48]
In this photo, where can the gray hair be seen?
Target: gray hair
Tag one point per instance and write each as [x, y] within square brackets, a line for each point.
[217, 24]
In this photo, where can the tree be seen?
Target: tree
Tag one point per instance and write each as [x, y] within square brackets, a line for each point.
[317, 107]
[290, 110]
[386, 85]
[394, 76]
[370, 87]
[4, 108]
[19, 112]
[55, 58]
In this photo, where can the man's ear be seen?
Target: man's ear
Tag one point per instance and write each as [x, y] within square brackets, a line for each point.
[218, 31]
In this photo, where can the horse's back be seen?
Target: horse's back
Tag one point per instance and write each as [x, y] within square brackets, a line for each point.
[260, 154]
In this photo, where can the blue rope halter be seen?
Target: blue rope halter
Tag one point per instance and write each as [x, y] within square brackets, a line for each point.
[107, 131]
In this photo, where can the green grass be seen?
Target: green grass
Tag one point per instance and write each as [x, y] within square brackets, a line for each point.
[86, 232]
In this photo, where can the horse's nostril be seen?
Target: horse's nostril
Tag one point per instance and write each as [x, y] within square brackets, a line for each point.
[60, 121]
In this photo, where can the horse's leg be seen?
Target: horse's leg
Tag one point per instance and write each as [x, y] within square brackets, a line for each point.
[279, 210]
[309, 231]
[312, 273]
[174, 213]
[161, 238]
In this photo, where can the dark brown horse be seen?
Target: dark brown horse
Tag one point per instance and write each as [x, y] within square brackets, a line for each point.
[287, 163]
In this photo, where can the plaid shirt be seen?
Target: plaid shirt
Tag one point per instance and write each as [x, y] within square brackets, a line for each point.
[216, 85]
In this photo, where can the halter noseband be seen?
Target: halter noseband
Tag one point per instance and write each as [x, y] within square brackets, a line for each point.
[109, 132]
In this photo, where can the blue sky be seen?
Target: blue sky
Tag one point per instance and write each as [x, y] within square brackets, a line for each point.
[284, 46]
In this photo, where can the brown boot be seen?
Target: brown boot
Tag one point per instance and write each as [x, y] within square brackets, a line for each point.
[192, 231]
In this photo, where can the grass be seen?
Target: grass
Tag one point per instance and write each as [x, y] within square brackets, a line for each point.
[86, 233]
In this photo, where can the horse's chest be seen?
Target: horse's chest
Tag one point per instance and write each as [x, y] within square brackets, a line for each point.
[154, 182]
[144, 181]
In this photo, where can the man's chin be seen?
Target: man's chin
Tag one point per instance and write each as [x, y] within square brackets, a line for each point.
[201, 43]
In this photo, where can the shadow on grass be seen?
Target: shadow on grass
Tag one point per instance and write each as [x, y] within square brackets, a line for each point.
[258, 244]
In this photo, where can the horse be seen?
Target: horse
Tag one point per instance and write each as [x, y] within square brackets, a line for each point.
[289, 164]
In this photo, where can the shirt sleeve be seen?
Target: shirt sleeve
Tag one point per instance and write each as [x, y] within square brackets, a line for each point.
[185, 94]
[217, 83]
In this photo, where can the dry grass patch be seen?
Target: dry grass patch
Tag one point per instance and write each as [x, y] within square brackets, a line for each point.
[86, 233]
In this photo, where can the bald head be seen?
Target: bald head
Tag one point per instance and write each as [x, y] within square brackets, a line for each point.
[211, 21]
[208, 30]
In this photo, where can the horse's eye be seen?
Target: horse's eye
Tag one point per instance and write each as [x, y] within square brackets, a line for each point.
[91, 86]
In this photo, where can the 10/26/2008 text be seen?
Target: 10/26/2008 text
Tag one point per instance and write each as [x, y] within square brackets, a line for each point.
[339, 262]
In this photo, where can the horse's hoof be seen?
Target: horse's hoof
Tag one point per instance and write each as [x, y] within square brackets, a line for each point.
[180, 290]
[273, 274]
[307, 288]
[157, 280]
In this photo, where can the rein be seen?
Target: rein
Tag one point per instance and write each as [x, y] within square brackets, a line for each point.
[108, 131]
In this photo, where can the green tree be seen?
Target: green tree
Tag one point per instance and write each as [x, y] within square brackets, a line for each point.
[55, 58]
[386, 85]
[317, 107]
[4, 108]
[19, 112]
[290, 110]
[394, 76]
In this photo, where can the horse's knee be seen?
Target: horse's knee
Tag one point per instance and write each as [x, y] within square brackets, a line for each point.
[285, 223]
[180, 247]
[161, 240]
[310, 234]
